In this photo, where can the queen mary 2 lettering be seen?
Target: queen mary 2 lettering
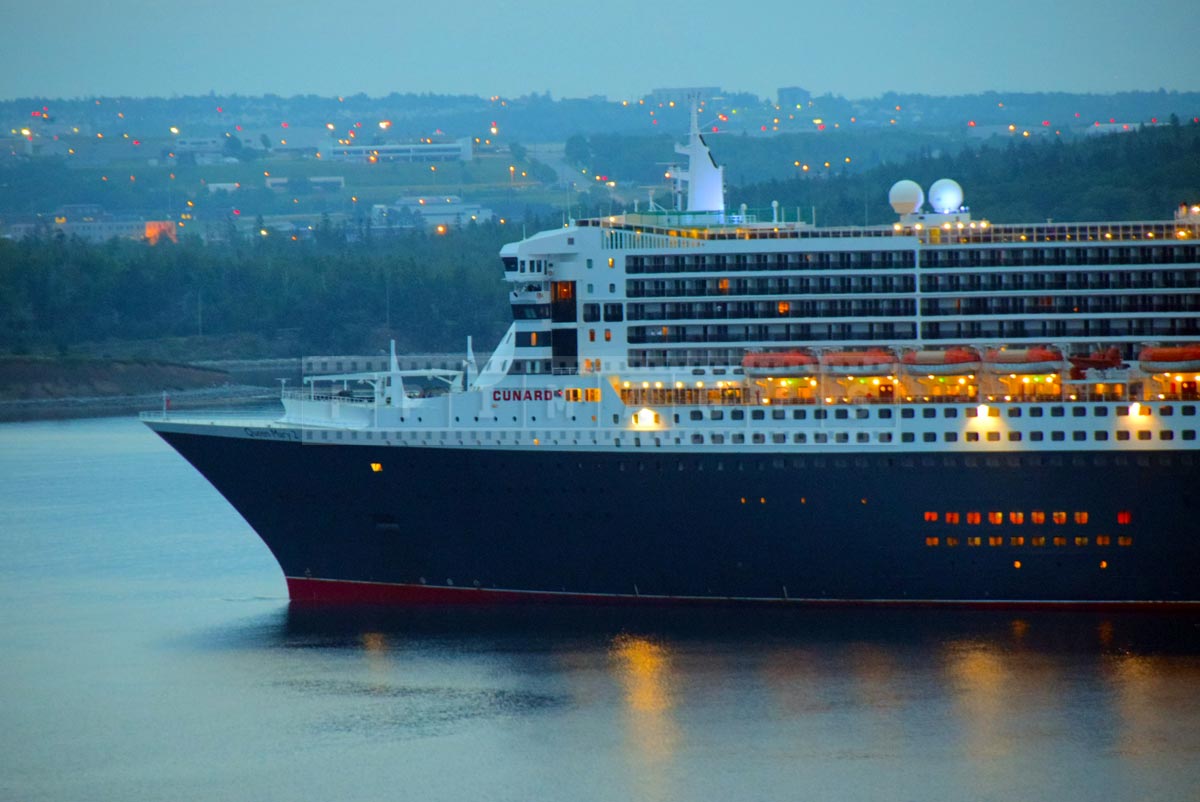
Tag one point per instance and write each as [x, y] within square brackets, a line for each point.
[747, 409]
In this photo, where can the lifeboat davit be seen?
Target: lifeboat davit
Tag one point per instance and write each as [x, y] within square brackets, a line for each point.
[1167, 359]
[947, 362]
[780, 363]
[871, 362]
[1024, 360]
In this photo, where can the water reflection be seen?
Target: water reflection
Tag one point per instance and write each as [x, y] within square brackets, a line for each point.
[644, 671]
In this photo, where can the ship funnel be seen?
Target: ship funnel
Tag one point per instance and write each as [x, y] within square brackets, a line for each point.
[705, 180]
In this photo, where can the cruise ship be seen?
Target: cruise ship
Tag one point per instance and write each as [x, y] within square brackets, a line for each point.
[699, 405]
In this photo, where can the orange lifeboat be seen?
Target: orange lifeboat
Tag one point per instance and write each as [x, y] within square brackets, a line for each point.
[779, 363]
[951, 361]
[1169, 358]
[1038, 359]
[874, 361]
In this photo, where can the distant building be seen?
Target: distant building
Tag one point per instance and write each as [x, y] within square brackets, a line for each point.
[428, 212]
[430, 150]
[91, 223]
[793, 97]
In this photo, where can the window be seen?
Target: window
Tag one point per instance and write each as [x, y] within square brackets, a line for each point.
[1035, 412]
[1143, 435]
[1124, 540]
[931, 516]
[799, 414]
[907, 412]
[951, 541]
[993, 436]
[1166, 434]
[1014, 436]
[929, 437]
[696, 414]
[950, 437]
[1059, 518]
[1081, 541]
[1038, 541]
[757, 414]
[1100, 435]
[1036, 437]
[1060, 541]
[952, 518]
[972, 437]
[995, 540]
[1058, 437]
[1124, 517]
[611, 262]
[928, 412]
[949, 412]
[974, 541]
[613, 313]
[1016, 541]
[591, 313]
[1122, 435]
[1081, 518]
[931, 541]
[716, 414]
[974, 517]
[1017, 518]
[1014, 412]
[1103, 540]
[1038, 517]
[995, 518]
[608, 335]
[907, 437]
[592, 394]
[1057, 412]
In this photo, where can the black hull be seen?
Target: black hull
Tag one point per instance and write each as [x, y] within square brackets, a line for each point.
[439, 524]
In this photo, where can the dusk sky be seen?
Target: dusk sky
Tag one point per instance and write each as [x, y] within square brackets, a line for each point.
[622, 49]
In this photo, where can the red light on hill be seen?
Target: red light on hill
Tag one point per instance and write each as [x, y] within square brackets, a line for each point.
[219, 109]
[970, 123]
[237, 211]
[714, 129]
[283, 125]
[1046, 123]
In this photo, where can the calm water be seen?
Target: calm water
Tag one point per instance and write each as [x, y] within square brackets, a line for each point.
[148, 651]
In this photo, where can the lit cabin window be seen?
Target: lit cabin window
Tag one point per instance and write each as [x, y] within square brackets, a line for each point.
[1060, 517]
[931, 516]
[973, 541]
[952, 518]
[1060, 541]
[995, 541]
[1081, 541]
[611, 262]
[1038, 517]
[592, 394]
[573, 394]
[376, 467]
[1016, 541]
[608, 335]
[1124, 517]
[1081, 517]
[1016, 564]
[951, 541]
[995, 517]
[931, 541]
[1016, 518]
[1038, 541]
[1124, 540]
[1103, 540]
[973, 518]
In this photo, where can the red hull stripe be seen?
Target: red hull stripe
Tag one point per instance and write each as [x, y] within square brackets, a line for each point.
[336, 591]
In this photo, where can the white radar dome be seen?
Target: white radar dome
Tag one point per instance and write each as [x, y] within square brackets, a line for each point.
[945, 196]
[906, 197]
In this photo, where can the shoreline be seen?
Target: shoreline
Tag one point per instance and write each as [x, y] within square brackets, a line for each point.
[101, 406]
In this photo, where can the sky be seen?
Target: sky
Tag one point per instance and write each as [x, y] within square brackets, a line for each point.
[619, 48]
